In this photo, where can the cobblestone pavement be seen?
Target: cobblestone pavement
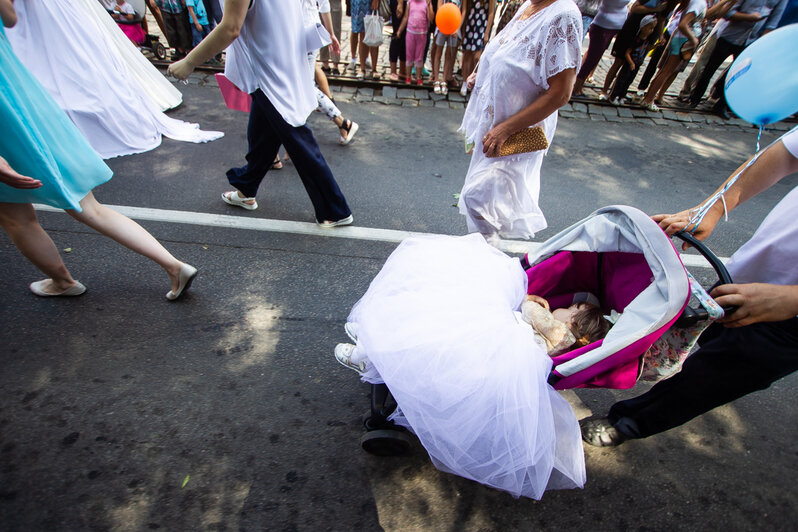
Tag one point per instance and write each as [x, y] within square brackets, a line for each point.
[347, 88]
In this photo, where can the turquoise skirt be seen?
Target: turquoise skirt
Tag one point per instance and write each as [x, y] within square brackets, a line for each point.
[38, 140]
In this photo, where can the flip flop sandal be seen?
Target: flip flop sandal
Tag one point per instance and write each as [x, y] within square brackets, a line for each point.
[277, 165]
[232, 198]
[350, 128]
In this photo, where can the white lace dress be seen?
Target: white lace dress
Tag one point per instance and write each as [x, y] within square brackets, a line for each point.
[500, 195]
[440, 326]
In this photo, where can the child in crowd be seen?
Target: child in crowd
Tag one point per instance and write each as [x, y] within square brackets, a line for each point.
[416, 19]
[198, 16]
[564, 329]
[634, 57]
[451, 42]
[176, 23]
[478, 25]
[123, 13]
[396, 52]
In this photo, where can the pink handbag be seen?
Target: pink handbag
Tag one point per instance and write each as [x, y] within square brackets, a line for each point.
[234, 98]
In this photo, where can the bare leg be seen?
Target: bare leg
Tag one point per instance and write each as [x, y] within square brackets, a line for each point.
[353, 45]
[660, 80]
[437, 52]
[448, 63]
[321, 81]
[363, 50]
[20, 222]
[128, 233]
[611, 73]
[374, 50]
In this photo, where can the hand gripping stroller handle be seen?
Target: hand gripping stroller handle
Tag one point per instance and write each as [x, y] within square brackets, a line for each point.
[720, 269]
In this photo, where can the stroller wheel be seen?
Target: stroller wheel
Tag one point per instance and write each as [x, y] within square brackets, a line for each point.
[159, 50]
[386, 442]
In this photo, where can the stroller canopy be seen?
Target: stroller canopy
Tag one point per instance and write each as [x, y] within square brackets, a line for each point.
[622, 256]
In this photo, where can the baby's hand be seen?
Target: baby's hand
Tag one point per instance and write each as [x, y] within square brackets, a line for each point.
[539, 300]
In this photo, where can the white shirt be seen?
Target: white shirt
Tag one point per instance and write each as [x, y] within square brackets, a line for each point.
[612, 14]
[771, 256]
[270, 54]
[698, 8]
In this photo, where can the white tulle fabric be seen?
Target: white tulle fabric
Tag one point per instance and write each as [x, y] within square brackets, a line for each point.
[501, 194]
[73, 58]
[438, 325]
[149, 79]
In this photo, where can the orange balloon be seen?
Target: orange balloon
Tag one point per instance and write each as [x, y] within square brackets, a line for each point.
[448, 19]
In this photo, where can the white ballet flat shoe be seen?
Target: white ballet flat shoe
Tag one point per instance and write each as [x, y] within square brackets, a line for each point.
[74, 290]
[185, 278]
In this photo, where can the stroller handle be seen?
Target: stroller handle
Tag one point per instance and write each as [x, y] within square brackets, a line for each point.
[714, 261]
[690, 315]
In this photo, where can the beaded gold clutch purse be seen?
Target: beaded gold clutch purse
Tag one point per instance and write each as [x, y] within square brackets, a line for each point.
[525, 141]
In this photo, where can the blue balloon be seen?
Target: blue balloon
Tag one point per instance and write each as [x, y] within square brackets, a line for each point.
[762, 83]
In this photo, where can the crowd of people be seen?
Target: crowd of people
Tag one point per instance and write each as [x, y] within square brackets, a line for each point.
[533, 443]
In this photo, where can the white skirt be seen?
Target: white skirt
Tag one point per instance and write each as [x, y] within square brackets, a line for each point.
[150, 80]
[438, 327]
[500, 195]
[72, 56]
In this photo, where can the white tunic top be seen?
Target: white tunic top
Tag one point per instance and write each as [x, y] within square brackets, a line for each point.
[771, 256]
[270, 54]
[517, 63]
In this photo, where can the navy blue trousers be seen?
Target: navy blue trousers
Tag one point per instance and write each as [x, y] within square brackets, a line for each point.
[729, 364]
[266, 132]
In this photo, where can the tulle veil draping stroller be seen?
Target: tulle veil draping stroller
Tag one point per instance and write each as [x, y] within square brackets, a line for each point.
[620, 255]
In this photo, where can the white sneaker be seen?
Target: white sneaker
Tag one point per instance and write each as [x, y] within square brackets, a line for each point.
[602, 97]
[464, 90]
[641, 93]
[616, 101]
[344, 353]
[353, 64]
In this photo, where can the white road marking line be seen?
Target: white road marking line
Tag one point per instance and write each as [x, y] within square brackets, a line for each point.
[305, 228]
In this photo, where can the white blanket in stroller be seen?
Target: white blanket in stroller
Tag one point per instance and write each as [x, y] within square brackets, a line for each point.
[438, 327]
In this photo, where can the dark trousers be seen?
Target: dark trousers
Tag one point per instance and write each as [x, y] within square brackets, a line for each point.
[653, 62]
[723, 49]
[266, 132]
[730, 363]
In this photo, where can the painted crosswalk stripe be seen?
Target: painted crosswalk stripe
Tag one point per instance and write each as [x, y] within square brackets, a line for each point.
[227, 221]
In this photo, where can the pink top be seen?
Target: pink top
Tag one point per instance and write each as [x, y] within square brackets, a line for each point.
[417, 17]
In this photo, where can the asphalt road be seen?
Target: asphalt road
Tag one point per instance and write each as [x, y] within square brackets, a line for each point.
[226, 410]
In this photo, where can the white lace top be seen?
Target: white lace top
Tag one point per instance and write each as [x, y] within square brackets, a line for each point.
[517, 63]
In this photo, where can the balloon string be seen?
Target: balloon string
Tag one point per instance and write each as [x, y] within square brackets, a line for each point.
[759, 137]
[697, 215]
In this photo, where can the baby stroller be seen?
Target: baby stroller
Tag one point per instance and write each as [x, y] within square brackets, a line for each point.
[620, 255]
[134, 31]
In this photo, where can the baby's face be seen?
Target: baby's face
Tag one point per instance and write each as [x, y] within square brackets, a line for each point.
[566, 315]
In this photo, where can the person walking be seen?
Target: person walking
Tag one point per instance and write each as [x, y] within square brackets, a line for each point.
[525, 74]
[748, 349]
[45, 159]
[267, 59]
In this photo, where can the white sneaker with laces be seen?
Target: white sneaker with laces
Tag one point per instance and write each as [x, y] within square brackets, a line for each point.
[346, 354]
